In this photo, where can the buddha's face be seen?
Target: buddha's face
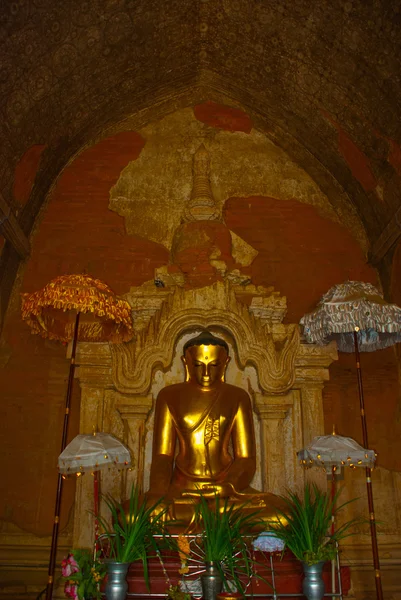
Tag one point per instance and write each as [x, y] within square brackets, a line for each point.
[206, 365]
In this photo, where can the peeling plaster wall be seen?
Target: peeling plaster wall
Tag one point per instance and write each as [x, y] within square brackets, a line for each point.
[242, 164]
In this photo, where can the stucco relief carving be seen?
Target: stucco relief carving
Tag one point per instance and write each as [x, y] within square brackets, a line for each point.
[251, 315]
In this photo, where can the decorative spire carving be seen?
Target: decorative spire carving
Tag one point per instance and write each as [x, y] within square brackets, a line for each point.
[202, 206]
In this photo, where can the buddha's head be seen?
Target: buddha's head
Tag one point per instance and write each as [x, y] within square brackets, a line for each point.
[205, 359]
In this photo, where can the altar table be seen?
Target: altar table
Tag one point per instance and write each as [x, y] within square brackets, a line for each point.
[287, 574]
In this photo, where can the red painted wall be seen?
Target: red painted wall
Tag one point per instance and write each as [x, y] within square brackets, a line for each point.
[301, 253]
[223, 117]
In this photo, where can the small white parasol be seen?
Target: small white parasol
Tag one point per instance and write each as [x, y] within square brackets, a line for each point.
[93, 452]
[334, 450]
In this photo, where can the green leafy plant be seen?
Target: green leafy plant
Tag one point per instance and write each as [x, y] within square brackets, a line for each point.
[136, 533]
[305, 526]
[82, 573]
[226, 533]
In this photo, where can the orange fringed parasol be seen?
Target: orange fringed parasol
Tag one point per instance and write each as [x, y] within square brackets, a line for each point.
[51, 312]
[75, 308]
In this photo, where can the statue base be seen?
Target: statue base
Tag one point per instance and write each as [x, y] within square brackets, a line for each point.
[288, 575]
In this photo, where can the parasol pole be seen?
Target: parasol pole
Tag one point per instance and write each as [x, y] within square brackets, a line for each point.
[96, 506]
[53, 550]
[376, 561]
[333, 487]
[333, 495]
[96, 503]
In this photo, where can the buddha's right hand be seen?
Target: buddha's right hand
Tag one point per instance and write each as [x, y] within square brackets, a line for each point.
[224, 490]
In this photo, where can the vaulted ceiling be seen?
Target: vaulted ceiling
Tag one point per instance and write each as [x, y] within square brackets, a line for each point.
[322, 79]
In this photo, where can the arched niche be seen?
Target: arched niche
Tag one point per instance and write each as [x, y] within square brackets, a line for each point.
[120, 382]
[252, 316]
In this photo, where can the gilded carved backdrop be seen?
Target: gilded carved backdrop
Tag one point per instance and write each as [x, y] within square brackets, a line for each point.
[284, 377]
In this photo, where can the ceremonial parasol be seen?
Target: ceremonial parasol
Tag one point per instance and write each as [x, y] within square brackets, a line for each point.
[334, 451]
[92, 453]
[356, 315]
[52, 311]
[72, 308]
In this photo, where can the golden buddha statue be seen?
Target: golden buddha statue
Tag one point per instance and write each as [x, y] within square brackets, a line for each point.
[208, 417]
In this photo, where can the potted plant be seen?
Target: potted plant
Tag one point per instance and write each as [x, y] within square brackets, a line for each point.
[305, 530]
[225, 534]
[132, 536]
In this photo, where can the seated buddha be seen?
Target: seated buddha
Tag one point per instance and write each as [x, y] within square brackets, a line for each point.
[213, 424]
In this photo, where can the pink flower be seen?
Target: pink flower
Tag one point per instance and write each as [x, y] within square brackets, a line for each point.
[69, 566]
[71, 591]
[65, 568]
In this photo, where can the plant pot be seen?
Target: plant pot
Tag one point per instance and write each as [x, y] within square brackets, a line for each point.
[212, 583]
[116, 586]
[313, 584]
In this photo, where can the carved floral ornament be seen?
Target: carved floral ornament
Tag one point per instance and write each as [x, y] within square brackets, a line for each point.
[251, 315]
